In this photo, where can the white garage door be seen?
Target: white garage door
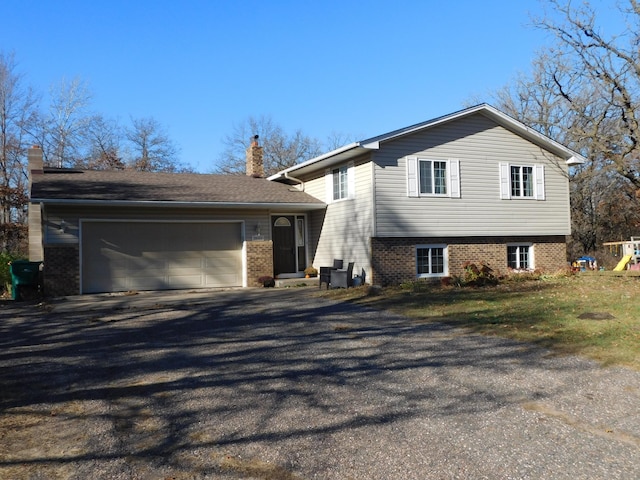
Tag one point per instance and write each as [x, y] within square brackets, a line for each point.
[122, 256]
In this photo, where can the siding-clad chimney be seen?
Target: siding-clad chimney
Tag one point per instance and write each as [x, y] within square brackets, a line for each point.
[255, 165]
[36, 167]
[34, 157]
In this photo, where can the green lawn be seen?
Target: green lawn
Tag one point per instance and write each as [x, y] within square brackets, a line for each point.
[546, 311]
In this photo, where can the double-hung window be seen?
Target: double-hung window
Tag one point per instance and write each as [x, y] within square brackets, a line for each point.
[433, 177]
[520, 257]
[428, 177]
[521, 181]
[340, 183]
[431, 261]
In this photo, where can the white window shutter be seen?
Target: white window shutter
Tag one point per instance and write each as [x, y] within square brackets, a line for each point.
[328, 176]
[539, 182]
[351, 181]
[505, 192]
[412, 176]
[454, 178]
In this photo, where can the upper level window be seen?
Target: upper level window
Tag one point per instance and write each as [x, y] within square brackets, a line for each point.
[340, 183]
[430, 177]
[521, 181]
[433, 177]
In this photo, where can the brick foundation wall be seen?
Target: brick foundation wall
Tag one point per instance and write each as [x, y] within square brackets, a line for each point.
[259, 261]
[550, 256]
[61, 270]
[393, 259]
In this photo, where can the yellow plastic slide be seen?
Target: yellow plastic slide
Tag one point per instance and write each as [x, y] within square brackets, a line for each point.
[622, 263]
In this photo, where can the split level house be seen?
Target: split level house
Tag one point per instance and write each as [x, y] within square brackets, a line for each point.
[418, 202]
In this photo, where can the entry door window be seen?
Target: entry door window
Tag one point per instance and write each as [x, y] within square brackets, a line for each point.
[300, 231]
[301, 243]
[282, 222]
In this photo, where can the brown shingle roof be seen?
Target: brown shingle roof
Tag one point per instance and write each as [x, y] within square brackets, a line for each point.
[133, 186]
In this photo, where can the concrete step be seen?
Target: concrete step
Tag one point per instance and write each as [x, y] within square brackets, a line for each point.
[296, 282]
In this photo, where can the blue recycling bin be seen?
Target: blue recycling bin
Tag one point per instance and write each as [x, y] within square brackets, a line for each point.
[23, 274]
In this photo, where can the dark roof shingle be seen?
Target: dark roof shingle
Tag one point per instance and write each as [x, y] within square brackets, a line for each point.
[133, 186]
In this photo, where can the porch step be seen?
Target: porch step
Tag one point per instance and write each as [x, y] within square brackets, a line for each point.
[296, 282]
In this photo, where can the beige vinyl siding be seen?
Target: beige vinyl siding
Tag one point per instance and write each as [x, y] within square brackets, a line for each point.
[344, 230]
[36, 253]
[480, 145]
[53, 235]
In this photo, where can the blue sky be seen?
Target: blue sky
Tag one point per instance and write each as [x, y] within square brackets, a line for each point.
[357, 67]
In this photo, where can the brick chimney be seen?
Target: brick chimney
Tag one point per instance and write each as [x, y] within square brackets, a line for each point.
[255, 165]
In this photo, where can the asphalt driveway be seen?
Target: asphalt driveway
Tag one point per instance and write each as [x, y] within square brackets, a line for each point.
[280, 384]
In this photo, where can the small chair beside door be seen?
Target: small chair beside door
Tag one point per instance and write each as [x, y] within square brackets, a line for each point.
[342, 278]
[325, 272]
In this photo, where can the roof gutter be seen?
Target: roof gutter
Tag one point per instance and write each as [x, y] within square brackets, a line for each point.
[170, 204]
[324, 156]
[289, 177]
[576, 160]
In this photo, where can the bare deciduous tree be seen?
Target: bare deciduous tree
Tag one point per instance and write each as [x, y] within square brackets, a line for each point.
[585, 92]
[66, 123]
[104, 138]
[17, 111]
[281, 150]
[605, 69]
[338, 139]
[70, 136]
[152, 149]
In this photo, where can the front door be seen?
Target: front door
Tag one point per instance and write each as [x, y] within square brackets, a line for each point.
[284, 244]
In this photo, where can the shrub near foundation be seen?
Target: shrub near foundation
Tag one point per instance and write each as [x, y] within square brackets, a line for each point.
[267, 281]
[5, 272]
[477, 275]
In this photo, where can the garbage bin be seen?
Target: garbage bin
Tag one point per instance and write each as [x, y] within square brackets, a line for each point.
[23, 274]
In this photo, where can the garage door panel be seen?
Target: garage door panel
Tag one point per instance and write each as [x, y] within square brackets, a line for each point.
[145, 283]
[223, 260]
[177, 271]
[186, 262]
[121, 256]
[147, 262]
[220, 280]
[142, 272]
[184, 281]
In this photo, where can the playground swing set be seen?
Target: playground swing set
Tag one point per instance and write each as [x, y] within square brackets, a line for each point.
[629, 251]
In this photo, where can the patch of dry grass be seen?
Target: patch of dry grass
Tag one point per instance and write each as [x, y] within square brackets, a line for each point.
[544, 311]
[255, 468]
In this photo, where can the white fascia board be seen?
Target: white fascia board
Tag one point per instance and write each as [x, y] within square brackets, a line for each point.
[318, 159]
[150, 203]
[576, 160]
[571, 157]
[371, 145]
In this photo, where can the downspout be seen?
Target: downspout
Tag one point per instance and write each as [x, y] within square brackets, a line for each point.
[289, 177]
